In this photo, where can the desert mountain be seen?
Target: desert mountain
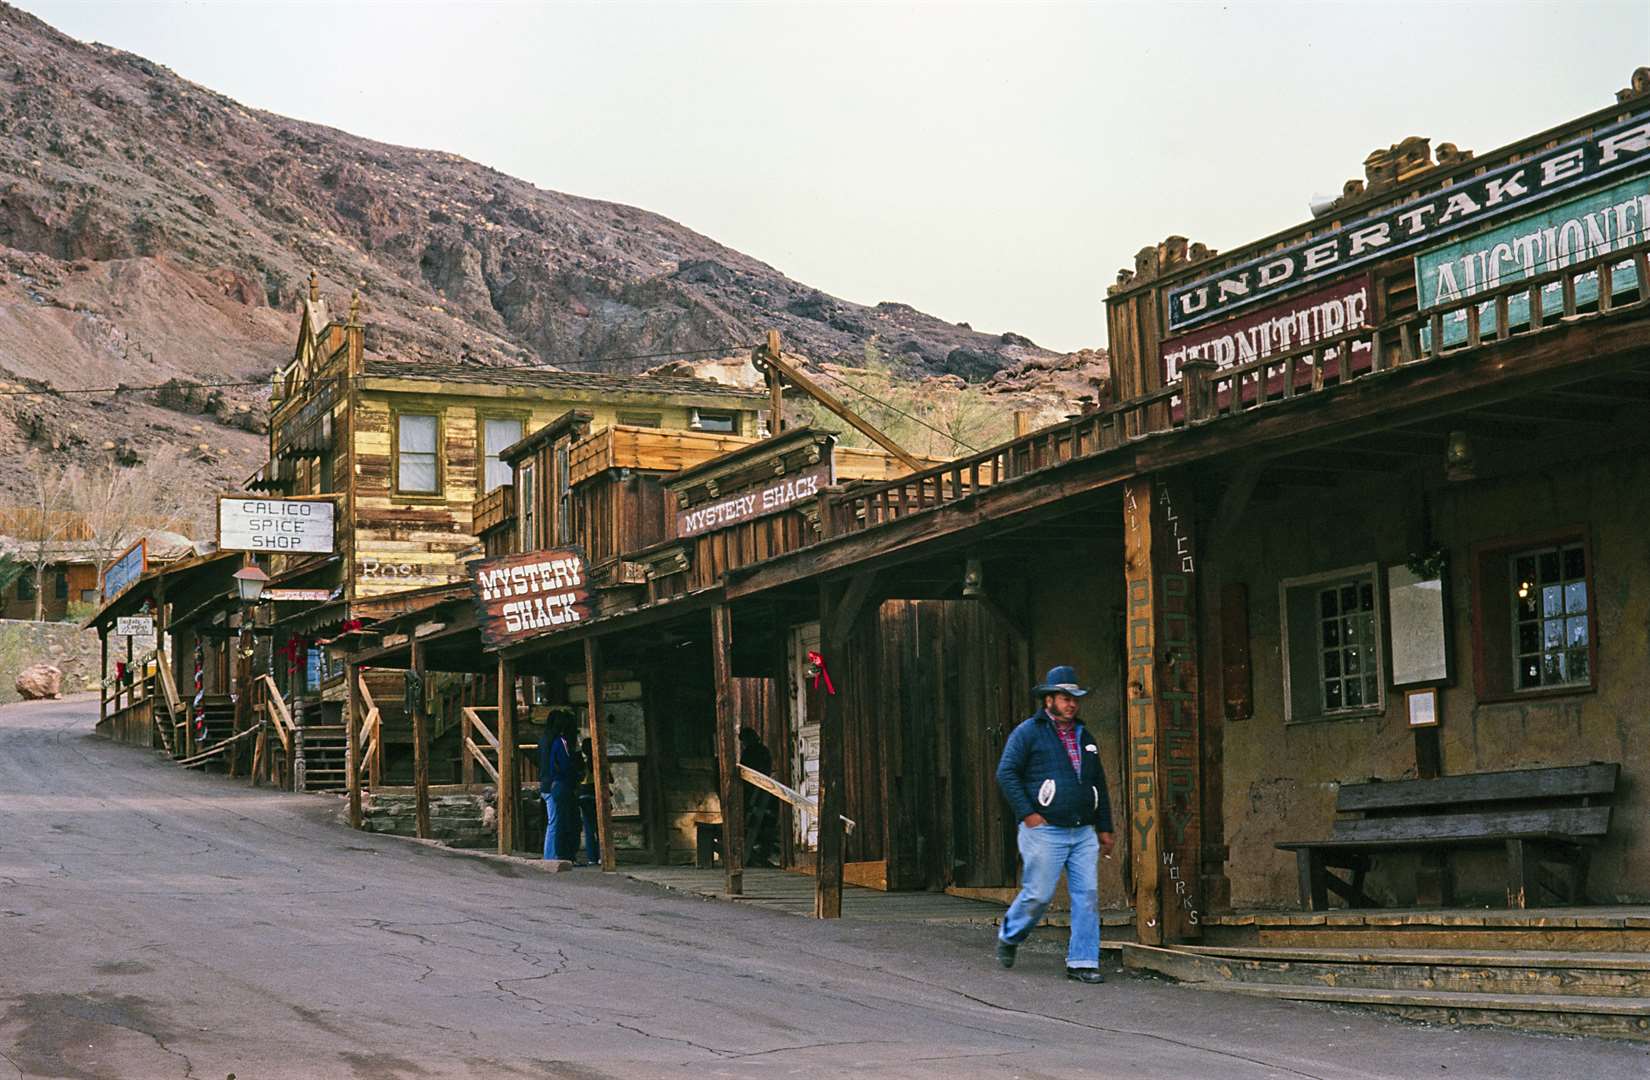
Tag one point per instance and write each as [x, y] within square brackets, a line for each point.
[153, 230]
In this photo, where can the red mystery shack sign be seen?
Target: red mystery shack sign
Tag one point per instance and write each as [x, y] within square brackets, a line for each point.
[1294, 324]
[778, 495]
[520, 596]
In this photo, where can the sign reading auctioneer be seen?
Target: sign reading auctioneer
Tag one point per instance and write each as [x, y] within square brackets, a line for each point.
[276, 525]
[518, 596]
[1467, 203]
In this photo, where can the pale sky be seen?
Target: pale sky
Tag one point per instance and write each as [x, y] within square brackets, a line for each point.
[988, 163]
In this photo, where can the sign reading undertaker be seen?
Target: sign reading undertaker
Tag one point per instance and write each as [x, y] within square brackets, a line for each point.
[518, 596]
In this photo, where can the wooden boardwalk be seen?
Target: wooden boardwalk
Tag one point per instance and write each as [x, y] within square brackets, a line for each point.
[792, 893]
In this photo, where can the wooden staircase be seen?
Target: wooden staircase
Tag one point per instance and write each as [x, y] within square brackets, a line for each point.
[1572, 992]
[326, 753]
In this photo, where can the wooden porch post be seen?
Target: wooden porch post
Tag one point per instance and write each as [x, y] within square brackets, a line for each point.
[1163, 756]
[839, 608]
[727, 751]
[509, 789]
[103, 676]
[352, 729]
[593, 680]
[421, 746]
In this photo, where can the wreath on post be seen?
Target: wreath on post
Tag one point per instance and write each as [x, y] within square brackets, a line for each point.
[1429, 565]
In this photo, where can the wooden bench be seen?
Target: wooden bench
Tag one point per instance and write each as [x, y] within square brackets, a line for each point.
[1541, 816]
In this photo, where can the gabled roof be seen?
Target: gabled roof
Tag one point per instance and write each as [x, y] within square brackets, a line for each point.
[551, 379]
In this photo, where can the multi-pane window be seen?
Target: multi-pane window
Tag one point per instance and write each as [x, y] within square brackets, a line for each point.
[1550, 615]
[496, 435]
[1333, 662]
[1347, 672]
[564, 492]
[417, 469]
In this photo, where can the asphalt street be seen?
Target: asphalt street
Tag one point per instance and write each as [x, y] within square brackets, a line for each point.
[155, 922]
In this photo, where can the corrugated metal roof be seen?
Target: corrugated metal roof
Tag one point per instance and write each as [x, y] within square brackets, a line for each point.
[551, 379]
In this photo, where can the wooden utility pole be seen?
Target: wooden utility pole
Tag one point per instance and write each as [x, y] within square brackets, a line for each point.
[509, 788]
[594, 676]
[421, 744]
[353, 731]
[1164, 766]
[776, 389]
[727, 751]
[776, 367]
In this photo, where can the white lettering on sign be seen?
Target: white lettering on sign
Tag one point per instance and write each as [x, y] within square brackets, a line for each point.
[552, 574]
[770, 499]
[374, 569]
[285, 525]
[517, 595]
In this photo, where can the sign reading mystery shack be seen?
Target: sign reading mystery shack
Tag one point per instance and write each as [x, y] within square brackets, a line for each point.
[1571, 232]
[1296, 323]
[285, 525]
[519, 596]
[1469, 202]
[781, 493]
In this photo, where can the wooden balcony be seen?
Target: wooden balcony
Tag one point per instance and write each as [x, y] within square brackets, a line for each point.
[650, 449]
[1207, 395]
[496, 508]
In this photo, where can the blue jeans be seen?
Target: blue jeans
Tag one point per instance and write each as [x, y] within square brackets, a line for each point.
[592, 836]
[1045, 851]
[555, 808]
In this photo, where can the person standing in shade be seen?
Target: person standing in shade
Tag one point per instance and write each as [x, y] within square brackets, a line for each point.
[761, 808]
[587, 803]
[558, 783]
[1050, 774]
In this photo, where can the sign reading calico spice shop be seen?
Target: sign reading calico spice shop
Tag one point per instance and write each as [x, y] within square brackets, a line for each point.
[518, 596]
[1305, 320]
[781, 493]
[1467, 203]
[281, 525]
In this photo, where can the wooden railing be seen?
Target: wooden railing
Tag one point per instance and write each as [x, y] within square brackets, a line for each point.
[176, 716]
[371, 739]
[268, 699]
[1206, 394]
[476, 753]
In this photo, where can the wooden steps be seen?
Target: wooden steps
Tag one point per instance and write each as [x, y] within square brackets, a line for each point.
[326, 751]
[1600, 993]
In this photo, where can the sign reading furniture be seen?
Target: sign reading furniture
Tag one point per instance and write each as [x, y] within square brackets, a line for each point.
[289, 526]
[1469, 202]
[519, 596]
[780, 494]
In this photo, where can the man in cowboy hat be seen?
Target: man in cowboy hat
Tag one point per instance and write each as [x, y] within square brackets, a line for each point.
[1051, 776]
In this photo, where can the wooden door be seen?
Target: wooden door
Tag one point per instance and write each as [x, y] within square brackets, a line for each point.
[804, 748]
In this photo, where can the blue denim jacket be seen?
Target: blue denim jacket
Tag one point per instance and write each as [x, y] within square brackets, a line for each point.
[1036, 776]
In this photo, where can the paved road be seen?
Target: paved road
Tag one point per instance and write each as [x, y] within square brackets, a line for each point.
[159, 923]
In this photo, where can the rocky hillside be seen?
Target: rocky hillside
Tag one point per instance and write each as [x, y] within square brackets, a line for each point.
[151, 229]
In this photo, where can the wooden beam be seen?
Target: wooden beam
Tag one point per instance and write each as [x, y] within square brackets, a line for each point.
[593, 680]
[421, 746]
[508, 799]
[1163, 724]
[727, 751]
[839, 610]
[835, 404]
[352, 759]
[776, 390]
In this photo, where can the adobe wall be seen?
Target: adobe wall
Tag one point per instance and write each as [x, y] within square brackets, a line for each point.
[1281, 780]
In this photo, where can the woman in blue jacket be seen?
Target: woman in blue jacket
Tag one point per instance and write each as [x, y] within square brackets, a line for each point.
[1050, 773]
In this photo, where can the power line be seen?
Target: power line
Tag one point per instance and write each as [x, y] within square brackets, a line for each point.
[840, 381]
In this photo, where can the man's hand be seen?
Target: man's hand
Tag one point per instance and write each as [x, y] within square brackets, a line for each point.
[1034, 820]
[1107, 842]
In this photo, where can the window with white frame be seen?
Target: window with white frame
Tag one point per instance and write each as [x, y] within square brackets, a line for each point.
[1332, 632]
[527, 507]
[417, 467]
[497, 433]
[715, 420]
[1551, 617]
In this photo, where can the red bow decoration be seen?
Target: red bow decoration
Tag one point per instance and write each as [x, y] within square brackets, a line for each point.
[817, 663]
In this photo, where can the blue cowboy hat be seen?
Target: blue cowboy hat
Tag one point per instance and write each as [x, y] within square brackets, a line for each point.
[1060, 680]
